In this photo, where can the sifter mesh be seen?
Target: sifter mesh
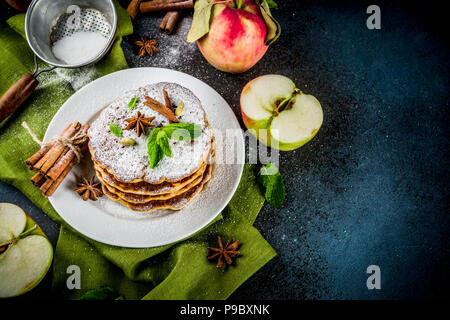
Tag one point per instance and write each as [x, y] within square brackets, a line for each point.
[82, 19]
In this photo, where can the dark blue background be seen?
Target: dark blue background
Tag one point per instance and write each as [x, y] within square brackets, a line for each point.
[372, 186]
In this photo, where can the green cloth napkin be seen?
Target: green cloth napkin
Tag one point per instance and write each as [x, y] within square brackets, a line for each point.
[176, 271]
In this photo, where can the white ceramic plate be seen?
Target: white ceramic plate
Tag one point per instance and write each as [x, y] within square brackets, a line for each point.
[109, 222]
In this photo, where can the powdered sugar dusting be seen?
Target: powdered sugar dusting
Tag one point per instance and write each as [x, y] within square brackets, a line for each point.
[132, 162]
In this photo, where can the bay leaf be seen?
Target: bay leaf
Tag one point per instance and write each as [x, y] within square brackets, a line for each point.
[201, 20]
[273, 27]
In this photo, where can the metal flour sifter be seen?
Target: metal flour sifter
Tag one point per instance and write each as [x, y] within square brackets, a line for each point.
[48, 21]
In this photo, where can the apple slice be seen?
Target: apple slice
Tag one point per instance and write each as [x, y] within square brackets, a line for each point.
[12, 221]
[262, 95]
[278, 114]
[297, 123]
[25, 252]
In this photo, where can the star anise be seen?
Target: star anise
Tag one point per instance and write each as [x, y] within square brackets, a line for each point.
[87, 189]
[225, 252]
[139, 122]
[147, 45]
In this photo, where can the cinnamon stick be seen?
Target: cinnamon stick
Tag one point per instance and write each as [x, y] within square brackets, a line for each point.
[38, 155]
[53, 154]
[133, 8]
[56, 160]
[45, 186]
[65, 159]
[31, 161]
[169, 21]
[159, 107]
[51, 186]
[38, 179]
[166, 99]
[167, 5]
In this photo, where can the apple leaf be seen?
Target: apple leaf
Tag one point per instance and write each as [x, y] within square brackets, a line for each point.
[201, 20]
[272, 183]
[273, 27]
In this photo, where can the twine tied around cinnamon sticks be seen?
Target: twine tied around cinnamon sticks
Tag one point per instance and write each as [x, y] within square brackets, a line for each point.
[71, 143]
[54, 160]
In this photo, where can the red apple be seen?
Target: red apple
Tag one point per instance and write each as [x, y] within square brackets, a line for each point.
[235, 41]
[21, 5]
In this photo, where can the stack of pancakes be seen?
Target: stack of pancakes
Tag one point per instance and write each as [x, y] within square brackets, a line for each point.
[141, 195]
[124, 171]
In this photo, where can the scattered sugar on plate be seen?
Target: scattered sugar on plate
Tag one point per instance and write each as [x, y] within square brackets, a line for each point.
[79, 47]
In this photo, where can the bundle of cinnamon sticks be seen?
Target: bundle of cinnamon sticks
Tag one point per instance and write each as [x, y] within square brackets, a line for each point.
[172, 7]
[55, 159]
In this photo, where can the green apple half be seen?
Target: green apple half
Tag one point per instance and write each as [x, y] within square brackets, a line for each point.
[25, 252]
[278, 114]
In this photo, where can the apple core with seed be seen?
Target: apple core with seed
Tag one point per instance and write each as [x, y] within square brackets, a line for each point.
[278, 114]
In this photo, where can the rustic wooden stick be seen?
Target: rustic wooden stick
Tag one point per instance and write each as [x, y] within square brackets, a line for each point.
[16, 95]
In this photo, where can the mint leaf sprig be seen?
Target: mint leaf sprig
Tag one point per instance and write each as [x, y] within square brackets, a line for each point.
[105, 293]
[115, 129]
[272, 184]
[158, 144]
[132, 103]
[272, 4]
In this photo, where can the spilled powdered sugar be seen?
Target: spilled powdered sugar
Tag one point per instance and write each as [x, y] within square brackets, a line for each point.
[132, 162]
[76, 78]
[173, 50]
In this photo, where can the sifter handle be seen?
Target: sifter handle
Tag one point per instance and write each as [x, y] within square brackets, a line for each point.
[16, 95]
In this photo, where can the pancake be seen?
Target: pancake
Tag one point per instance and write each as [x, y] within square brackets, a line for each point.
[145, 188]
[140, 198]
[129, 164]
[124, 171]
[176, 203]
